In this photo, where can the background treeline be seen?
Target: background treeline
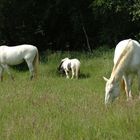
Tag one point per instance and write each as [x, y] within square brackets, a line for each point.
[68, 24]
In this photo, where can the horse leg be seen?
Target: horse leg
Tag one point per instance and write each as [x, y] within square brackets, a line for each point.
[66, 72]
[6, 67]
[31, 69]
[139, 83]
[72, 70]
[128, 84]
[1, 73]
[77, 73]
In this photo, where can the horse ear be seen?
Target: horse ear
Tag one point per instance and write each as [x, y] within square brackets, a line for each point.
[105, 78]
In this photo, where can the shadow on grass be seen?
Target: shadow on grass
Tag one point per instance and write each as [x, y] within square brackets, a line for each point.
[81, 76]
[84, 75]
[20, 67]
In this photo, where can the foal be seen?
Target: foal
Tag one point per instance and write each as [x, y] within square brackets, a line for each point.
[67, 65]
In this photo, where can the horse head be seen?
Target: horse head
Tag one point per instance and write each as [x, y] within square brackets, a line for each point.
[112, 90]
[60, 67]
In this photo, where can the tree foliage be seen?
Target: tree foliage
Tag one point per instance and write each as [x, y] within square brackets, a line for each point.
[68, 25]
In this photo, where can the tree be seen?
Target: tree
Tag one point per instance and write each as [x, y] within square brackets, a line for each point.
[68, 25]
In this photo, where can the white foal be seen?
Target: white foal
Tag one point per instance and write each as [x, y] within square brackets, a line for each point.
[72, 65]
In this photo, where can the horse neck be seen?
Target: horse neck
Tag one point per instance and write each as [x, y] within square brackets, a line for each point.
[122, 63]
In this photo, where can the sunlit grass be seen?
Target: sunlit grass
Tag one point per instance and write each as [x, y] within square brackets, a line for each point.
[55, 108]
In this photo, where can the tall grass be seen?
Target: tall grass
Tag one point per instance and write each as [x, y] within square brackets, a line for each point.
[55, 108]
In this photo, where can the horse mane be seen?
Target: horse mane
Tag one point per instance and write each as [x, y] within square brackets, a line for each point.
[123, 59]
[60, 65]
[62, 62]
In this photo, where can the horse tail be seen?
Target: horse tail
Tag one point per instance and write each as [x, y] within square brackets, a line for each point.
[36, 62]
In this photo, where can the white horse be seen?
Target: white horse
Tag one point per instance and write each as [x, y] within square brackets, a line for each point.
[16, 55]
[67, 65]
[126, 64]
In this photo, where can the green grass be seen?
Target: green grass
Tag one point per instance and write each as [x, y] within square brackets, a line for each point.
[55, 108]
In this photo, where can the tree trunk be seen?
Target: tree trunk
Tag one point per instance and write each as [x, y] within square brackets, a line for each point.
[87, 40]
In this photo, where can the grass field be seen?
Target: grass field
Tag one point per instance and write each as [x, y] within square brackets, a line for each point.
[55, 108]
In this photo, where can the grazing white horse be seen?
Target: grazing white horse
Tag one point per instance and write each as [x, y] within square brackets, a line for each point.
[16, 55]
[126, 64]
[67, 65]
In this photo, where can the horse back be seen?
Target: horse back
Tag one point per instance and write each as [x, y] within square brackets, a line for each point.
[13, 55]
[130, 47]
[75, 63]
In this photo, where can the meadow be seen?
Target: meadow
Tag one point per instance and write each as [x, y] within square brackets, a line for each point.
[55, 108]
